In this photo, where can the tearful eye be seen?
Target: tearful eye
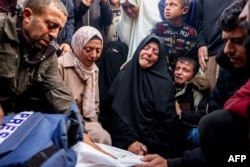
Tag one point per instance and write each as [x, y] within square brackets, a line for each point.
[51, 25]
[146, 47]
[87, 49]
[156, 53]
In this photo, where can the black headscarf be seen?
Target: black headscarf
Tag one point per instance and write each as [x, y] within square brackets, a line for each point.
[144, 100]
[114, 55]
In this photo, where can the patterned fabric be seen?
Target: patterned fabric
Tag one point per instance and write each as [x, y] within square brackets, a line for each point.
[111, 30]
[179, 41]
[81, 37]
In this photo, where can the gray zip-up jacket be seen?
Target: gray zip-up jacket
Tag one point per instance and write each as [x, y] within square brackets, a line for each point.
[18, 77]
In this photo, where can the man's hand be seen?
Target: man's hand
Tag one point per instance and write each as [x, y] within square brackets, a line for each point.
[138, 148]
[1, 115]
[153, 160]
[203, 57]
[65, 47]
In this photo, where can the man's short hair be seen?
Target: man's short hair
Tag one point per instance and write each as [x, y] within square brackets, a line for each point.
[229, 17]
[38, 6]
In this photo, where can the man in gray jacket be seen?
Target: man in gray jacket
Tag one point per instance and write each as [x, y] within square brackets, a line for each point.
[28, 63]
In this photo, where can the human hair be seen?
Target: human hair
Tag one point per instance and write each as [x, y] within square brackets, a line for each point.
[185, 3]
[38, 6]
[228, 20]
[190, 60]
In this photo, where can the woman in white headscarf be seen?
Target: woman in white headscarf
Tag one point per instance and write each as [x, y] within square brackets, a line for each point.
[137, 20]
[80, 74]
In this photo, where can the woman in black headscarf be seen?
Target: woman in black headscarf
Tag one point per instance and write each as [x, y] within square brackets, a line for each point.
[144, 101]
[114, 55]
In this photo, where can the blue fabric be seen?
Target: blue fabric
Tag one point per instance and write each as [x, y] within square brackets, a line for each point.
[59, 159]
[193, 137]
[38, 133]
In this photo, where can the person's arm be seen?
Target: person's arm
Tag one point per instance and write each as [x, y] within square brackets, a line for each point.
[69, 28]
[153, 160]
[1, 114]
[201, 44]
[81, 7]
[52, 88]
[219, 94]
[239, 103]
[200, 92]
[163, 128]
[106, 12]
[193, 117]
[193, 157]
[123, 136]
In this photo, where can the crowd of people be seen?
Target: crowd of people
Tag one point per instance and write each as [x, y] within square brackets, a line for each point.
[164, 79]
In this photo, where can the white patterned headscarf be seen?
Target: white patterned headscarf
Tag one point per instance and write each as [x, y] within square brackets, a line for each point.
[80, 38]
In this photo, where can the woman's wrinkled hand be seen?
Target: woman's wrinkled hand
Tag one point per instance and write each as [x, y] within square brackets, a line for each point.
[138, 148]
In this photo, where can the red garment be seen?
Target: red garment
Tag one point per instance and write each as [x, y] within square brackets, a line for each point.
[239, 103]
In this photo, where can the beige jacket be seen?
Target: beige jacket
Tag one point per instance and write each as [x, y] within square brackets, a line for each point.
[75, 85]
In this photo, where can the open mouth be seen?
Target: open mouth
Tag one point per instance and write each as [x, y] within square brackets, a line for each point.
[234, 60]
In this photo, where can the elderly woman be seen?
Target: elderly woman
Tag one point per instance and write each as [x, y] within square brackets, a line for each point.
[144, 101]
[80, 74]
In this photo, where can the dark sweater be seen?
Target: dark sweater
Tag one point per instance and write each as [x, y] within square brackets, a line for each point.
[209, 33]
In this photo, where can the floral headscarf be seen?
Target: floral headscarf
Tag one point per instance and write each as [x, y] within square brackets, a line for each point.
[81, 37]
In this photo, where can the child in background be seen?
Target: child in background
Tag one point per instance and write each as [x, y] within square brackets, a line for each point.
[111, 30]
[180, 38]
[189, 18]
[191, 101]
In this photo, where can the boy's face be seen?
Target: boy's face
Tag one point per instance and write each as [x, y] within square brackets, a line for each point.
[184, 72]
[174, 9]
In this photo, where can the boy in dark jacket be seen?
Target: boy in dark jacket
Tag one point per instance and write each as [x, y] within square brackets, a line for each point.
[191, 101]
